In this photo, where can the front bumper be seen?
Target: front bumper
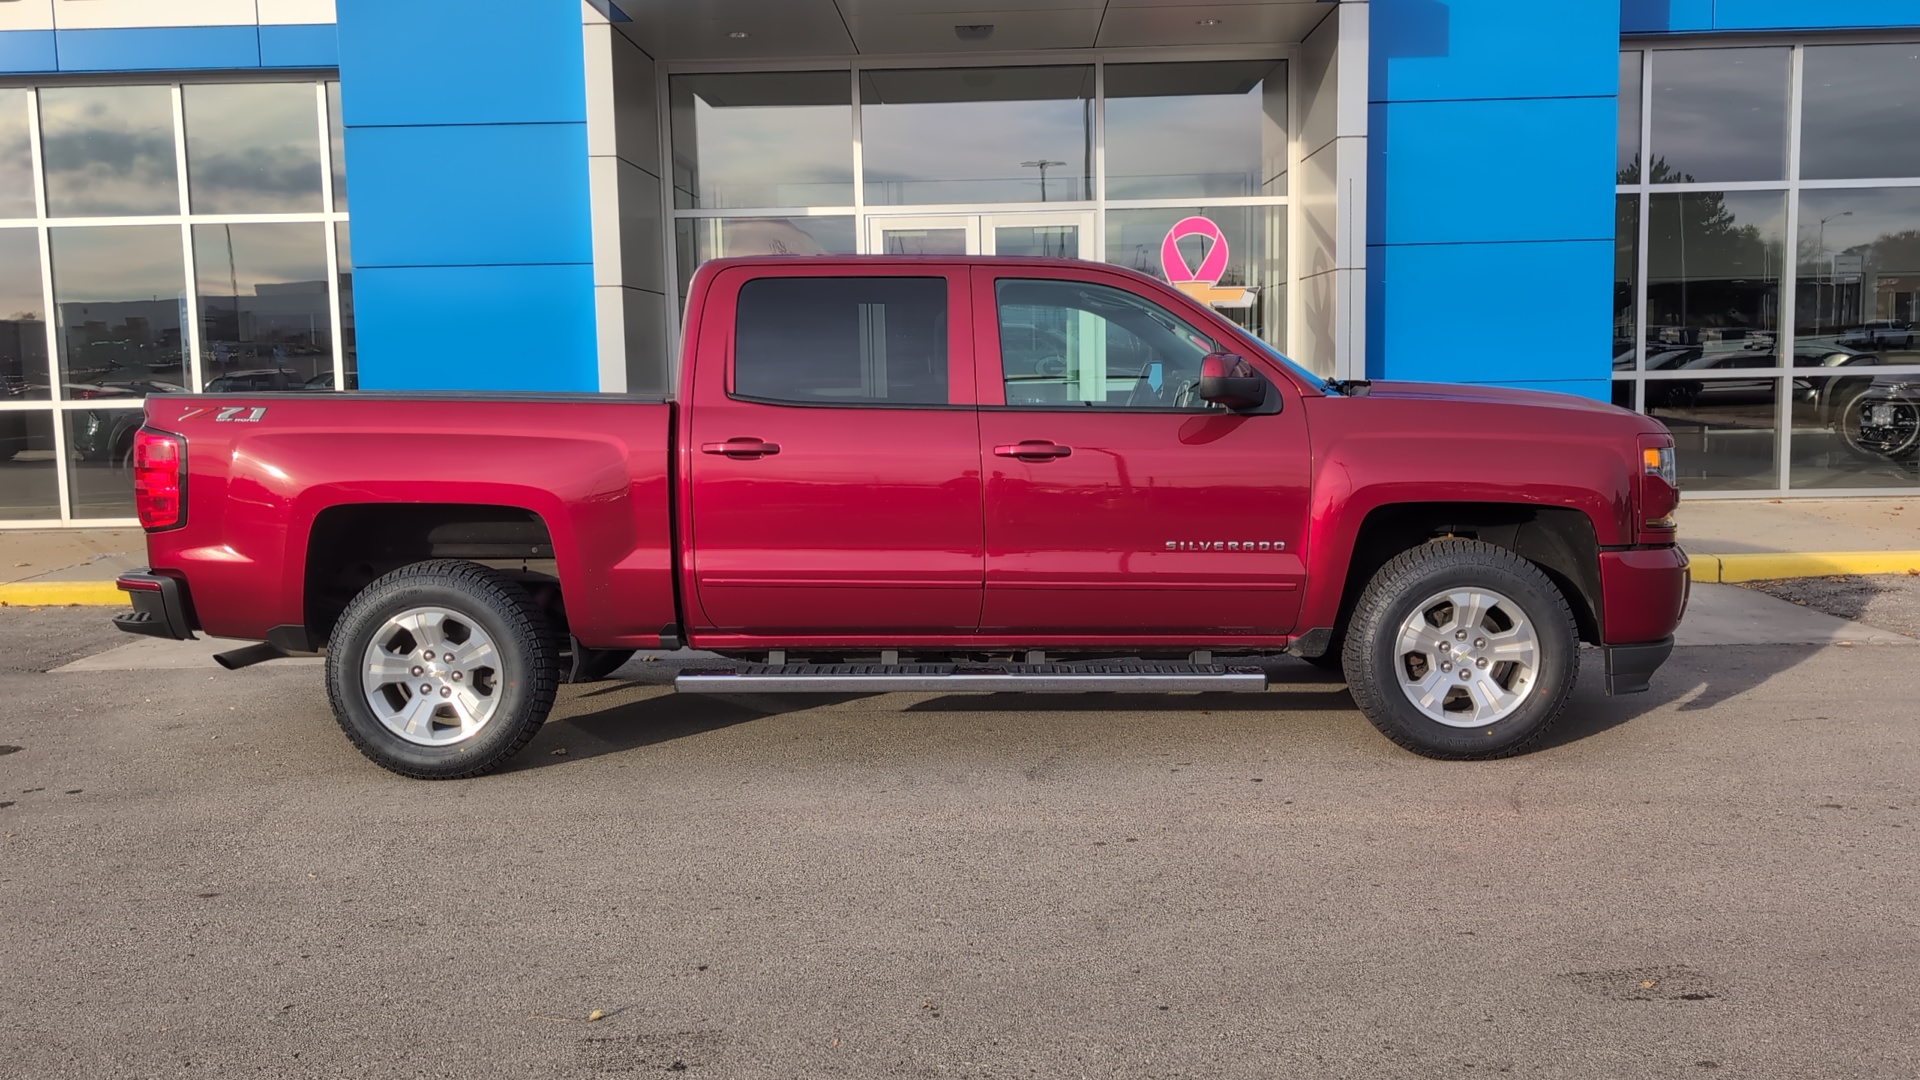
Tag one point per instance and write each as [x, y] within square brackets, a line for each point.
[1643, 593]
[159, 606]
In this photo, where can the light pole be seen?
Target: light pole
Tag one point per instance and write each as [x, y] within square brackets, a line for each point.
[1043, 165]
[1817, 319]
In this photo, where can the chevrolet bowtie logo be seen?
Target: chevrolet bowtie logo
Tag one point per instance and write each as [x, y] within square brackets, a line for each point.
[1226, 545]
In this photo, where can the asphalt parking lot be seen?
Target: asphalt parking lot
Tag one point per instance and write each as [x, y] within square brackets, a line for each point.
[200, 877]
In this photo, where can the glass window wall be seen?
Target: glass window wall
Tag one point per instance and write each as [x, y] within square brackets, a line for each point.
[146, 288]
[1251, 287]
[23, 319]
[1000, 160]
[977, 135]
[16, 156]
[265, 319]
[108, 150]
[1775, 373]
[1858, 116]
[1627, 149]
[698, 239]
[762, 139]
[252, 149]
[1719, 115]
[1196, 130]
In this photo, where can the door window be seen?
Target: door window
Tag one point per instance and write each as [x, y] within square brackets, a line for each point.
[842, 341]
[1067, 344]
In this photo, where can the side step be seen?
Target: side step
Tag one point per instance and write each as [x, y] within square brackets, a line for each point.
[1136, 677]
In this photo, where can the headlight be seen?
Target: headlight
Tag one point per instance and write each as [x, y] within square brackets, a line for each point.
[1658, 461]
[1659, 488]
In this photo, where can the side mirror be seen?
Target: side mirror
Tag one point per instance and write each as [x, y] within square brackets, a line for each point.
[1230, 381]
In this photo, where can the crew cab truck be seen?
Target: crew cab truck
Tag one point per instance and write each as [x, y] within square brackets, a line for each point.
[884, 473]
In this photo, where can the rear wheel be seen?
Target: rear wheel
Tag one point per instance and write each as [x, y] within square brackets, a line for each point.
[441, 670]
[1459, 649]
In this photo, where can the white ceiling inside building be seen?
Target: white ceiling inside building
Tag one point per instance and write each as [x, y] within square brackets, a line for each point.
[768, 29]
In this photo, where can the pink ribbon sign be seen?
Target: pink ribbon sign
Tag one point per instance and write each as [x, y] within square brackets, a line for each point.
[1202, 283]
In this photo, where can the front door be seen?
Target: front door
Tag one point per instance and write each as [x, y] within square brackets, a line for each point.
[1060, 235]
[834, 455]
[1117, 504]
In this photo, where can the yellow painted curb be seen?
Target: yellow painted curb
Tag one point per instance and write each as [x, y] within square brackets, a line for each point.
[1792, 564]
[60, 593]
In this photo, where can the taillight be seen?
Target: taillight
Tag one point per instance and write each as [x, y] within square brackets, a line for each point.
[1659, 488]
[159, 478]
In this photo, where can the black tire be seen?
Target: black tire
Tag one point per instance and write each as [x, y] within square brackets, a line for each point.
[598, 664]
[525, 681]
[1393, 596]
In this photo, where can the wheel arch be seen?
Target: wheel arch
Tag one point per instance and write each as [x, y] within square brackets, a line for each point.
[351, 545]
[1560, 540]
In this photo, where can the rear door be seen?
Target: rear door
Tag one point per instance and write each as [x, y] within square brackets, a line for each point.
[1117, 504]
[834, 453]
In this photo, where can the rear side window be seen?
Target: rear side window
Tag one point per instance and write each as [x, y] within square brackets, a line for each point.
[842, 341]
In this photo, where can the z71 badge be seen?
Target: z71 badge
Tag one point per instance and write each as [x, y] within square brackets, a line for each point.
[231, 414]
[1227, 545]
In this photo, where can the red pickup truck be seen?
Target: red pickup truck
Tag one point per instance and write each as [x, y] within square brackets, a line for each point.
[963, 474]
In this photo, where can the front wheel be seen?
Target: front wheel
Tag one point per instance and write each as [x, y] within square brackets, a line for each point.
[1462, 650]
[441, 670]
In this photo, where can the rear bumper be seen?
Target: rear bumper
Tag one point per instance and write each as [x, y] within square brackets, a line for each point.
[1630, 667]
[159, 606]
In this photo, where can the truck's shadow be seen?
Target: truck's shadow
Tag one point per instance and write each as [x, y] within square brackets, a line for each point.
[1698, 679]
[660, 718]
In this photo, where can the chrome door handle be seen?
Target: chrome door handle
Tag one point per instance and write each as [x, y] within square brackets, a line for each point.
[741, 449]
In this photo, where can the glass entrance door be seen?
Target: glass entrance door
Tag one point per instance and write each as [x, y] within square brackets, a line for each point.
[1066, 235]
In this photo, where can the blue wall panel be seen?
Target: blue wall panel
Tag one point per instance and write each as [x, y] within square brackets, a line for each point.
[484, 62]
[1482, 175]
[27, 51]
[300, 46]
[467, 161]
[1439, 50]
[1800, 14]
[170, 48]
[1490, 191]
[1665, 16]
[475, 327]
[476, 194]
[159, 48]
[1495, 313]
[1698, 16]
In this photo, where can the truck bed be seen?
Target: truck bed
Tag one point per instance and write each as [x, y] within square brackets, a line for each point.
[267, 472]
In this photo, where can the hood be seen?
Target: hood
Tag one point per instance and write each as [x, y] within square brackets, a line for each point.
[1489, 395]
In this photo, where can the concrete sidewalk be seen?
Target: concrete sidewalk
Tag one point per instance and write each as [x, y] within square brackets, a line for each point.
[1728, 541]
[67, 566]
[1754, 539]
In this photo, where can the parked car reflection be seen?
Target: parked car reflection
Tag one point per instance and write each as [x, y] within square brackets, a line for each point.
[1682, 393]
[1879, 334]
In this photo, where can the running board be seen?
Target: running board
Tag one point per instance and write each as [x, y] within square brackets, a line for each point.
[1138, 677]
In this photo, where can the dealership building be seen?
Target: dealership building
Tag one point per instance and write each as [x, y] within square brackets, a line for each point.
[1707, 210]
